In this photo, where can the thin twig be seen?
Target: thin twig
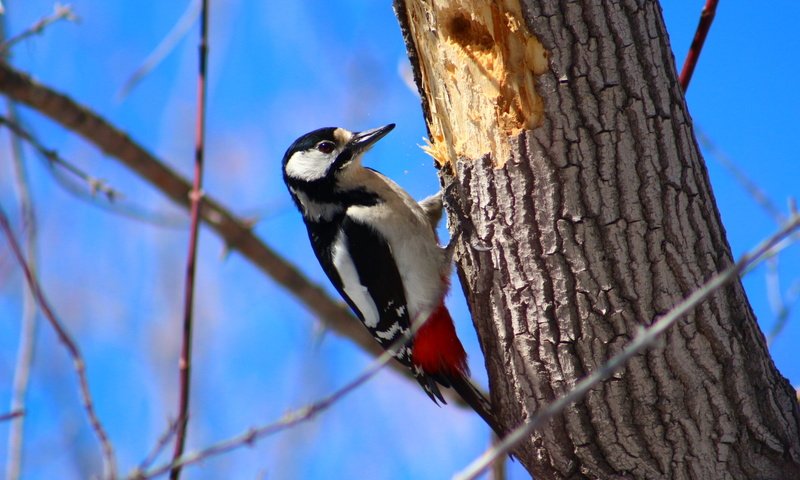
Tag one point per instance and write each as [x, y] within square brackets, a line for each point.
[163, 49]
[161, 443]
[780, 307]
[72, 347]
[196, 197]
[775, 297]
[782, 318]
[11, 415]
[289, 420]
[643, 339]
[115, 199]
[29, 324]
[756, 193]
[235, 232]
[703, 26]
[96, 185]
[60, 12]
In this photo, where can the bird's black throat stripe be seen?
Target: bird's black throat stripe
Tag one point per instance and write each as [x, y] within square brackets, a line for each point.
[325, 191]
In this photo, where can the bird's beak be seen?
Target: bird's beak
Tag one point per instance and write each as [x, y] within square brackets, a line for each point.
[362, 141]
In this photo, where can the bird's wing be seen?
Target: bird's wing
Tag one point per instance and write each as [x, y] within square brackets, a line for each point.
[370, 279]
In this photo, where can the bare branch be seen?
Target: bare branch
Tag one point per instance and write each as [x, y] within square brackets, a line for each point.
[161, 443]
[11, 415]
[706, 19]
[29, 323]
[236, 232]
[164, 48]
[60, 12]
[782, 305]
[72, 347]
[95, 184]
[643, 340]
[756, 193]
[196, 196]
[115, 200]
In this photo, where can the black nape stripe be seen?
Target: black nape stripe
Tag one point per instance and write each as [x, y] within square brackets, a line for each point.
[324, 191]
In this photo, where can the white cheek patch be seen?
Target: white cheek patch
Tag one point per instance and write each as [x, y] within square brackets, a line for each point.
[309, 165]
[352, 284]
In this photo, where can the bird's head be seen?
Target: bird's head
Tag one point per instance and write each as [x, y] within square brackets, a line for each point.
[327, 152]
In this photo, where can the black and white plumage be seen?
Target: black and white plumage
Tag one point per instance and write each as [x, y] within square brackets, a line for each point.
[351, 212]
[379, 249]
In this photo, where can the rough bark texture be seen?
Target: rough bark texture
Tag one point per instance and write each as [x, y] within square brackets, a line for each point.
[589, 218]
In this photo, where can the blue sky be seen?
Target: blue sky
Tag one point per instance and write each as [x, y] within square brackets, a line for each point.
[279, 69]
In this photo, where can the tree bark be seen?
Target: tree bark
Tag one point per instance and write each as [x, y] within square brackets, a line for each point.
[571, 169]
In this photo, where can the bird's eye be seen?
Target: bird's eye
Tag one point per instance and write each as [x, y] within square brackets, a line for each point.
[326, 146]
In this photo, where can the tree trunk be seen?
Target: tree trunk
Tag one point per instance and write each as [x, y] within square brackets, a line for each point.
[572, 171]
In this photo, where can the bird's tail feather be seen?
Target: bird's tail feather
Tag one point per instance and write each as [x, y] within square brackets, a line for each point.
[475, 399]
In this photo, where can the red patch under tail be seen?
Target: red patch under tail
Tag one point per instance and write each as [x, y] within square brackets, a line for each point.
[437, 349]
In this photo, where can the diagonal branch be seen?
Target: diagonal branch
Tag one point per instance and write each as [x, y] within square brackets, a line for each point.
[643, 340]
[160, 444]
[96, 185]
[706, 19]
[115, 201]
[4, 417]
[753, 190]
[164, 48]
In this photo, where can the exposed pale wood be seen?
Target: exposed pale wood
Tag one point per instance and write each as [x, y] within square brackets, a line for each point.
[589, 224]
[478, 72]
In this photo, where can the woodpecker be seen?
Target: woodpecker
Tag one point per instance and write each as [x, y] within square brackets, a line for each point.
[380, 250]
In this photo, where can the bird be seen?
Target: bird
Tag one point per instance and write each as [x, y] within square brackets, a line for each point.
[380, 250]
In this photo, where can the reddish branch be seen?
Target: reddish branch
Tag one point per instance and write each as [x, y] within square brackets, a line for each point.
[196, 197]
[706, 19]
[11, 415]
[72, 348]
